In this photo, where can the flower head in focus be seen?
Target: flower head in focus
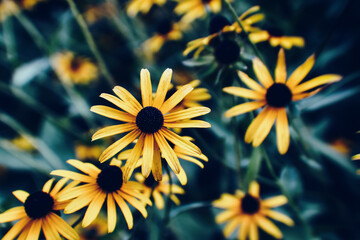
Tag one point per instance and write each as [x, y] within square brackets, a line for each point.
[149, 123]
[275, 96]
[74, 69]
[247, 211]
[100, 186]
[40, 211]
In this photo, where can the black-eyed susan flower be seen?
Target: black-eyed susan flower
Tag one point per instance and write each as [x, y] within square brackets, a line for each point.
[181, 153]
[276, 38]
[23, 144]
[193, 9]
[40, 211]
[99, 186]
[157, 189]
[220, 24]
[275, 96]
[165, 31]
[149, 123]
[247, 211]
[143, 6]
[7, 8]
[74, 69]
[88, 153]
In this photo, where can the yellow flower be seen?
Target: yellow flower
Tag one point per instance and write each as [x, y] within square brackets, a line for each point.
[87, 153]
[248, 211]
[27, 4]
[157, 188]
[220, 24]
[149, 123]
[75, 69]
[193, 98]
[356, 157]
[23, 144]
[101, 186]
[143, 6]
[193, 9]
[95, 13]
[287, 42]
[95, 230]
[166, 31]
[275, 96]
[39, 212]
[7, 8]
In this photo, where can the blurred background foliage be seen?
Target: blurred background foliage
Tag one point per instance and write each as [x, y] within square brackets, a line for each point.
[45, 120]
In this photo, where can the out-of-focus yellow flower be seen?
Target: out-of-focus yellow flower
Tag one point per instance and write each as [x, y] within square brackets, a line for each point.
[88, 153]
[23, 144]
[166, 31]
[27, 4]
[247, 211]
[341, 145]
[143, 6]
[356, 157]
[74, 69]
[286, 42]
[95, 13]
[7, 8]
[158, 188]
[95, 230]
[193, 9]
[220, 24]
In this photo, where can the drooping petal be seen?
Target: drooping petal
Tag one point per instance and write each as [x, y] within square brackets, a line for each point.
[113, 130]
[63, 227]
[316, 82]
[300, 73]
[113, 113]
[111, 213]
[148, 155]
[265, 127]
[282, 131]
[250, 132]
[135, 203]
[157, 166]
[268, 226]
[244, 93]
[134, 157]
[262, 73]
[119, 145]
[163, 87]
[177, 97]
[280, 70]
[244, 108]
[167, 152]
[125, 210]
[231, 226]
[146, 88]
[94, 209]
[159, 200]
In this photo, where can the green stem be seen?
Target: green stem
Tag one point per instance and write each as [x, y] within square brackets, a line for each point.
[236, 17]
[291, 202]
[167, 205]
[91, 42]
[237, 153]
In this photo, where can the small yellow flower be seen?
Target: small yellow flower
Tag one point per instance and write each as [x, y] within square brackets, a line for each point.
[95, 13]
[286, 42]
[27, 4]
[143, 6]
[74, 69]
[39, 212]
[88, 153]
[23, 144]
[100, 186]
[193, 9]
[247, 211]
[150, 124]
[158, 188]
[275, 96]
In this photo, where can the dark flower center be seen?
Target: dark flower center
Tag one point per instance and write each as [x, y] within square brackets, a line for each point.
[91, 234]
[227, 52]
[206, 1]
[150, 181]
[217, 23]
[249, 204]
[164, 26]
[75, 64]
[149, 120]
[110, 179]
[38, 204]
[278, 95]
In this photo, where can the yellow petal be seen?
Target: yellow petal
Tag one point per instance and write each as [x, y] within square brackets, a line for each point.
[225, 216]
[146, 89]
[251, 83]
[244, 228]
[148, 155]
[262, 73]
[186, 114]
[73, 176]
[254, 189]
[163, 87]
[93, 209]
[113, 130]
[282, 131]
[280, 70]
[279, 217]
[231, 226]
[157, 167]
[121, 104]
[188, 124]
[274, 201]
[111, 213]
[300, 73]
[168, 152]
[244, 93]
[15, 230]
[125, 96]
[47, 185]
[87, 168]
[159, 200]
[12, 214]
[244, 108]
[265, 127]
[119, 145]
[226, 201]
[253, 231]
[80, 202]
[254, 126]
[49, 230]
[182, 178]
[356, 157]
[177, 97]
[21, 195]
[180, 142]
[113, 113]
[268, 226]
[34, 231]
[133, 158]
[125, 210]
[58, 186]
[135, 203]
[316, 82]
[63, 227]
